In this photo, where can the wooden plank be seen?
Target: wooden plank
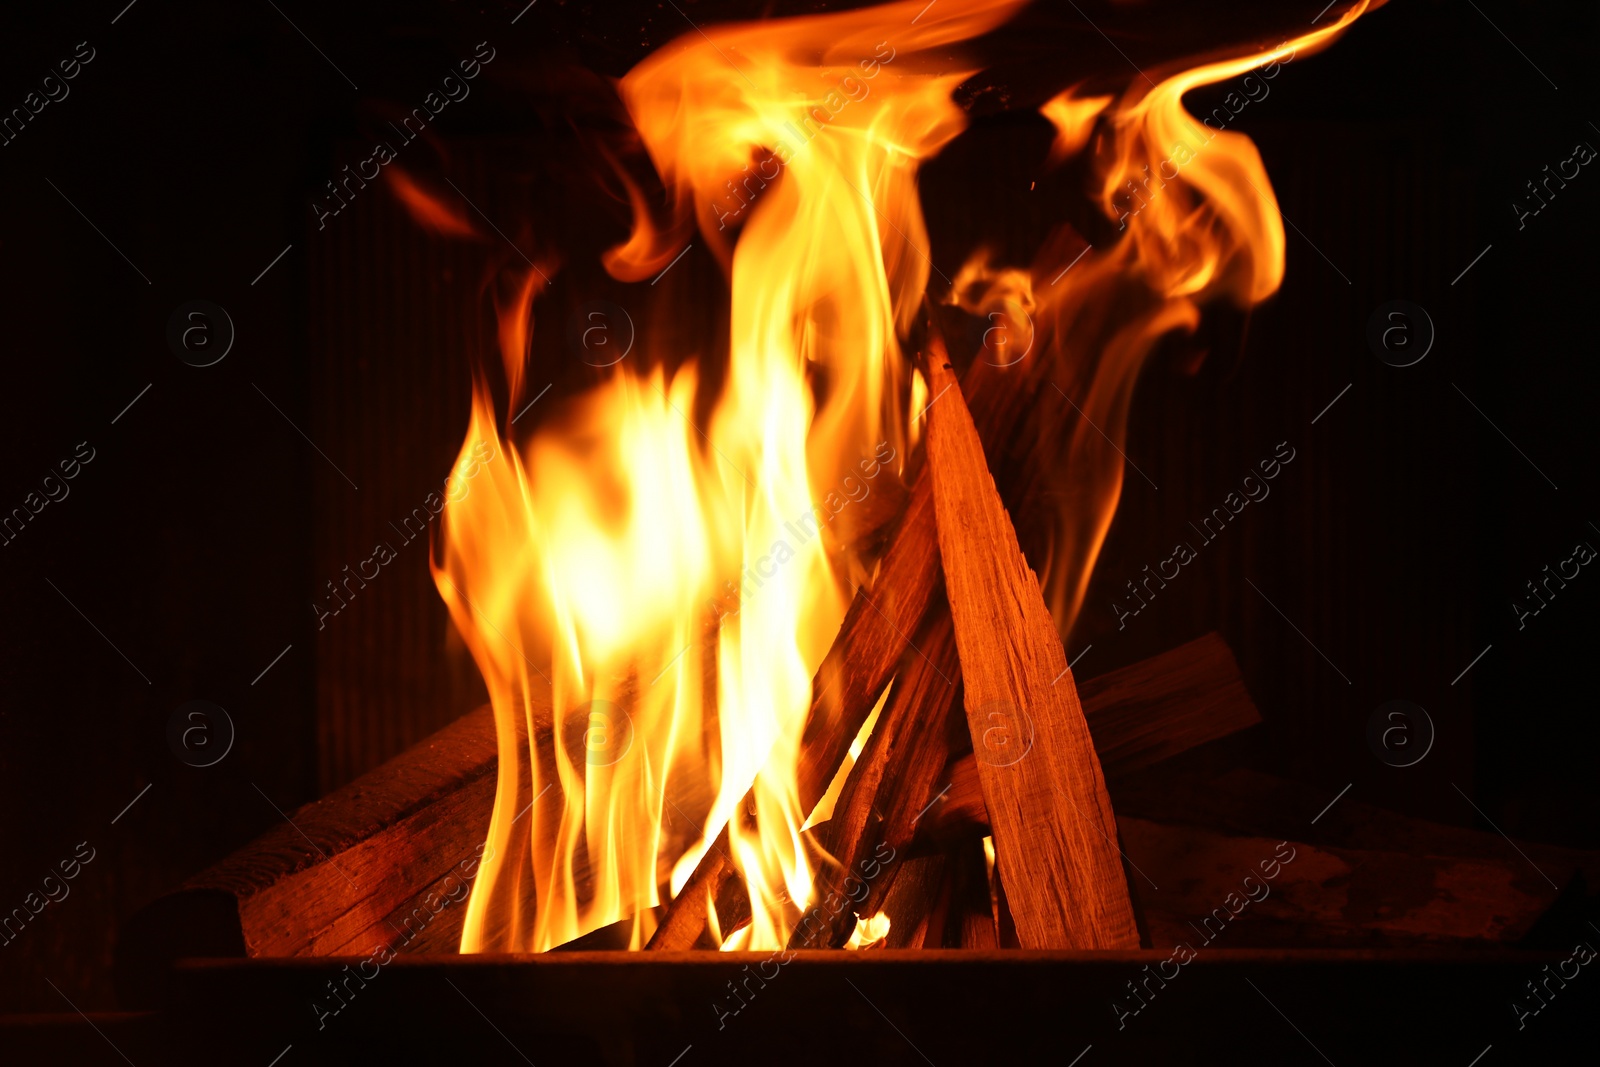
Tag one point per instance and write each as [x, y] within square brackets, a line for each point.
[1051, 815]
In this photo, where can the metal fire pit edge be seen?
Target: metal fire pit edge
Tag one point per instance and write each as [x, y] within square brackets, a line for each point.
[886, 1007]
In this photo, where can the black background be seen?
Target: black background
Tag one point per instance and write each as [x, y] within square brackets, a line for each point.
[192, 544]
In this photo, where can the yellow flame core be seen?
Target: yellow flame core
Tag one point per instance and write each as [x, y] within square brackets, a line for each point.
[648, 584]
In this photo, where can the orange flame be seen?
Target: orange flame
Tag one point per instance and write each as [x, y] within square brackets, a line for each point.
[648, 583]
[430, 212]
[579, 567]
[1197, 222]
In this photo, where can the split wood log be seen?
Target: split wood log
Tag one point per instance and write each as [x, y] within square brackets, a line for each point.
[847, 685]
[1051, 816]
[1139, 716]
[915, 905]
[972, 920]
[890, 785]
[386, 860]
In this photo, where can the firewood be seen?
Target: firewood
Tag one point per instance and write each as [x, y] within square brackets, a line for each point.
[318, 883]
[1053, 824]
[972, 907]
[890, 785]
[234, 909]
[1256, 892]
[913, 904]
[385, 860]
[1138, 717]
[1248, 802]
[847, 685]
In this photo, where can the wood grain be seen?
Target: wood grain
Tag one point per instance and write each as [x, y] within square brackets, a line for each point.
[1138, 716]
[1053, 824]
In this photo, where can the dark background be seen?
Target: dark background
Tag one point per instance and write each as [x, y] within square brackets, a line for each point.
[190, 549]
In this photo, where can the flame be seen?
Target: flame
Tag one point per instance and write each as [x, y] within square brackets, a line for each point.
[579, 567]
[649, 580]
[869, 932]
[428, 210]
[1195, 221]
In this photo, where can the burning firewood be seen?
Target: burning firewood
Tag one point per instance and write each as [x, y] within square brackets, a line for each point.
[855, 683]
[893, 782]
[1054, 828]
[1137, 716]
[401, 830]
[847, 686]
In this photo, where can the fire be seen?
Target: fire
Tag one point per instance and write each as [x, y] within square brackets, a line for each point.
[1194, 220]
[649, 582]
[869, 932]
